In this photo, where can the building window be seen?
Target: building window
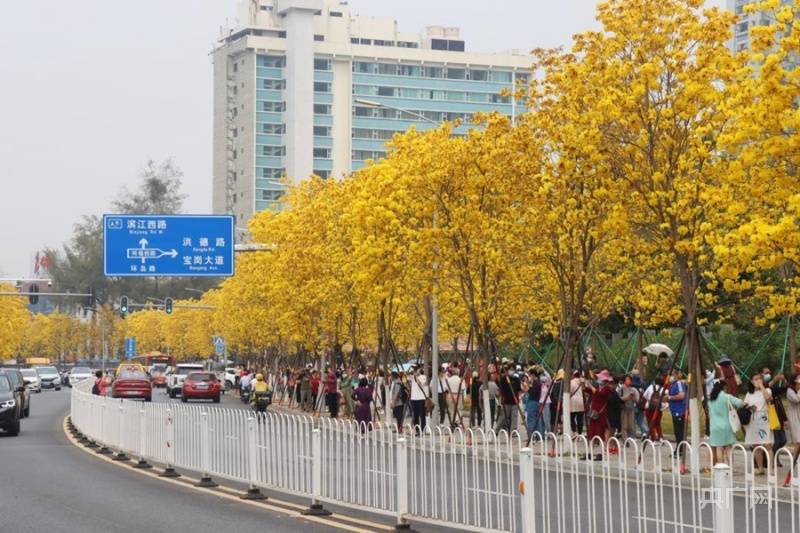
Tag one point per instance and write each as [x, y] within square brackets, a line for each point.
[456, 74]
[322, 153]
[322, 87]
[502, 76]
[434, 72]
[273, 151]
[322, 109]
[439, 44]
[363, 155]
[272, 196]
[272, 173]
[455, 46]
[319, 38]
[373, 134]
[409, 70]
[266, 8]
[282, 34]
[274, 129]
[365, 41]
[387, 68]
[353, 40]
[324, 174]
[385, 91]
[322, 64]
[274, 107]
[322, 131]
[479, 75]
[276, 85]
[272, 61]
[235, 67]
[335, 13]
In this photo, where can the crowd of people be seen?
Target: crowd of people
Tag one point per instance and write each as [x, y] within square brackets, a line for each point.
[529, 399]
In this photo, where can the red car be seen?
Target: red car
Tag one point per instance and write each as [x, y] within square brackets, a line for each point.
[132, 382]
[201, 386]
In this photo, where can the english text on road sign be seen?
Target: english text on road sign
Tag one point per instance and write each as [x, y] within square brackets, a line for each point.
[168, 245]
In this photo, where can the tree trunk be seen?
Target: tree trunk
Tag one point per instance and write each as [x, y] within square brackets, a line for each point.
[792, 325]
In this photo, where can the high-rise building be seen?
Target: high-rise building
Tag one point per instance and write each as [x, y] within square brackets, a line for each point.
[746, 21]
[306, 86]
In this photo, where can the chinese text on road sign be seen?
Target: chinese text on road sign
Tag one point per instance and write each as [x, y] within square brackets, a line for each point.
[168, 245]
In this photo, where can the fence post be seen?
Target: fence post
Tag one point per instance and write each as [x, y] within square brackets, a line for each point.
[121, 456]
[253, 492]
[142, 463]
[487, 411]
[723, 510]
[169, 470]
[316, 509]
[205, 454]
[387, 412]
[526, 487]
[402, 484]
[104, 438]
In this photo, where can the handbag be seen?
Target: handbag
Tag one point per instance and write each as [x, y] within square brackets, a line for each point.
[772, 416]
[733, 418]
[744, 414]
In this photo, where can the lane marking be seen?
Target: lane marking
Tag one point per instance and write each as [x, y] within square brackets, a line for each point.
[330, 521]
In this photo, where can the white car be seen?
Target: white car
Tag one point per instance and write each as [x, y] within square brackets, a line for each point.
[178, 374]
[32, 380]
[78, 374]
[49, 377]
[230, 378]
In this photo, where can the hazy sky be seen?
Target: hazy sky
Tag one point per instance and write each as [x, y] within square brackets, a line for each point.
[91, 89]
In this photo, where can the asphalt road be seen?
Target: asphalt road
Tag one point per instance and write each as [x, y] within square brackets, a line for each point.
[49, 485]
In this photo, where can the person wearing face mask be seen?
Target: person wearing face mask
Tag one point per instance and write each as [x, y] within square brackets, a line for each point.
[758, 433]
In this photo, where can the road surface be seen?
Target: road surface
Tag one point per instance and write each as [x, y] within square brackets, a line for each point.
[49, 485]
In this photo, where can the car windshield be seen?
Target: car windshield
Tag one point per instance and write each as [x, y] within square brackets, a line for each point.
[183, 371]
[201, 376]
[80, 370]
[131, 374]
[5, 386]
[47, 370]
[30, 373]
[159, 367]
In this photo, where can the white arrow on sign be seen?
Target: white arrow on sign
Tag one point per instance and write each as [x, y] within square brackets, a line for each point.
[144, 253]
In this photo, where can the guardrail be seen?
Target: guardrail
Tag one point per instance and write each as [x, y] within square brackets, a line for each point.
[460, 479]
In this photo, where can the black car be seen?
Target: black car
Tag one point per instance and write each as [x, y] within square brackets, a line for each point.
[10, 411]
[18, 385]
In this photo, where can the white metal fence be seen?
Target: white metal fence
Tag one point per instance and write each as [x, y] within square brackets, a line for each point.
[467, 479]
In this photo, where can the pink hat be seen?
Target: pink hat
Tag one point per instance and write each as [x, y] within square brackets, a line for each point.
[605, 376]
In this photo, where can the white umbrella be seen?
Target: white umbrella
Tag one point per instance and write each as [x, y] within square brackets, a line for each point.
[658, 349]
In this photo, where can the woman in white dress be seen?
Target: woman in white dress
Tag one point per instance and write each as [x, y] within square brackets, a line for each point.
[757, 432]
[792, 407]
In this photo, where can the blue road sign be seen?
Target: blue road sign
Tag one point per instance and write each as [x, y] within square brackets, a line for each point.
[130, 347]
[219, 346]
[168, 245]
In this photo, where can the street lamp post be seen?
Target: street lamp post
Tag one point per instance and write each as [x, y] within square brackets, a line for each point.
[434, 381]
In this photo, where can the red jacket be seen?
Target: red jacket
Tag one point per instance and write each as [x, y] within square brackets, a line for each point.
[314, 385]
[330, 383]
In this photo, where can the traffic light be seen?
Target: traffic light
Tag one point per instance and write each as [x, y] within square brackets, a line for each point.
[123, 306]
[89, 302]
[168, 306]
[33, 299]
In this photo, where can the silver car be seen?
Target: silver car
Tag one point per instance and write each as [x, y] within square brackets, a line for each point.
[32, 379]
[78, 374]
[49, 377]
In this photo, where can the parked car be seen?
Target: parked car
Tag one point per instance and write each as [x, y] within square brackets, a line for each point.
[10, 412]
[230, 378]
[201, 386]
[178, 375]
[18, 386]
[32, 380]
[158, 374]
[78, 374]
[49, 377]
[132, 382]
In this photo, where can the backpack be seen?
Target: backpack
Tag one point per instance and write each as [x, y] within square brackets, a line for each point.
[654, 403]
[403, 393]
[96, 389]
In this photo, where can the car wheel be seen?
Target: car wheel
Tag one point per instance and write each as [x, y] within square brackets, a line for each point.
[148, 399]
[58, 388]
[171, 393]
[216, 398]
[27, 412]
[184, 399]
[13, 429]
